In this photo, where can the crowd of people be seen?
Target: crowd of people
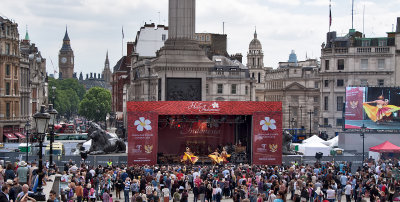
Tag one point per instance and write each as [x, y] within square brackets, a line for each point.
[328, 181]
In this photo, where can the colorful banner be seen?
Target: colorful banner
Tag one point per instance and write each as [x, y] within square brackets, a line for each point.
[267, 138]
[142, 138]
[354, 103]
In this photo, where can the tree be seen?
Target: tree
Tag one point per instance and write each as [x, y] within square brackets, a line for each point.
[96, 104]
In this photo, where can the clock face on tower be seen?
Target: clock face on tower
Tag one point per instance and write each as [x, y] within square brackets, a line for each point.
[63, 59]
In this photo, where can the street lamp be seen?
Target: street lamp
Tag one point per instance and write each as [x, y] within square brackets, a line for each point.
[27, 128]
[41, 123]
[310, 113]
[54, 95]
[363, 129]
[53, 115]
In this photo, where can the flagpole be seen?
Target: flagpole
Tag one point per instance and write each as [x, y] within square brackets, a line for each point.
[122, 42]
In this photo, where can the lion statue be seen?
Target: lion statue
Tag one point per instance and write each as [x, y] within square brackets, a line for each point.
[286, 141]
[104, 142]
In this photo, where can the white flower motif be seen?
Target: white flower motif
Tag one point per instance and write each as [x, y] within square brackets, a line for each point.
[215, 105]
[268, 123]
[143, 123]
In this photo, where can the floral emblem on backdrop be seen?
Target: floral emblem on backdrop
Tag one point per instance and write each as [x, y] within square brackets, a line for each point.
[268, 123]
[142, 123]
[273, 148]
[215, 105]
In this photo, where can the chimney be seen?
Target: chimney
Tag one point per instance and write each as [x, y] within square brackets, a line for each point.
[91, 75]
[95, 75]
[98, 76]
[129, 48]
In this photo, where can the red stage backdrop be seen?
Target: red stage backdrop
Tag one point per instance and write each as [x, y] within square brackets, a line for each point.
[142, 138]
[175, 137]
[267, 138]
[354, 103]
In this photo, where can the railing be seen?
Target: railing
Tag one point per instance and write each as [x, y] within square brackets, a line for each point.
[341, 50]
[382, 50]
[363, 50]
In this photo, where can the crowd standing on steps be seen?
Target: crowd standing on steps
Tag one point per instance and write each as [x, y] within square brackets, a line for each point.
[320, 182]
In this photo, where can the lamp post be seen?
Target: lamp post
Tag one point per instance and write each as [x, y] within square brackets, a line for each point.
[363, 129]
[289, 119]
[41, 123]
[310, 113]
[54, 95]
[27, 128]
[301, 115]
[53, 114]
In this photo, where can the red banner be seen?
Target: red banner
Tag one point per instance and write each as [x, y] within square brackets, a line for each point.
[354, 103]
[142, 138]
[204, 108]
[267, 138]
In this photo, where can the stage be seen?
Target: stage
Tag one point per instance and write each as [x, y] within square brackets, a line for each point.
[160, 131]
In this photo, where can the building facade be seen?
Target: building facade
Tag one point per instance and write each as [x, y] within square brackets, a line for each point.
[66, 59]
[354, 60]
[10, 97]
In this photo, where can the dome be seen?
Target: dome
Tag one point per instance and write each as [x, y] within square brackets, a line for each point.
[255, 43]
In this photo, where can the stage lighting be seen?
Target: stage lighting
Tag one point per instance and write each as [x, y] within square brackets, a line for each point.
[208, 125]
[179, 125]
[223, 119]
[184, 118]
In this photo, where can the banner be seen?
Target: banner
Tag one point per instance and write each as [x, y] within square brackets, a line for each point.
[354, 103]
[142, 138]
[267, 138]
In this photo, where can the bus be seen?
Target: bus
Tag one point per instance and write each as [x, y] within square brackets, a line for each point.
[69, 137]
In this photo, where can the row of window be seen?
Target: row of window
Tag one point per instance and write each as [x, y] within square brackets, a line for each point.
[363, 64]
[220, 89]
[8, 88]
[339, 103]
[363, 82]
[8, 71]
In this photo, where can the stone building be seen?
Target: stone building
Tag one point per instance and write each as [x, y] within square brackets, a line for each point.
[66, 58]
[354, 60]
[255, 63]
[212, 44]
[107, 74]
[33, 89]
[10, 78]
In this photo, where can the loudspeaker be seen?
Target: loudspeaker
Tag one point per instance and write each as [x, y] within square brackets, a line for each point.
[318, 155]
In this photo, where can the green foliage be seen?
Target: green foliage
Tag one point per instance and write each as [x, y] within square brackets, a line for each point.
[96, 104]
[68, 94]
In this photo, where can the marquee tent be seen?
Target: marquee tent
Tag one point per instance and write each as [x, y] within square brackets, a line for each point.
[313, 139]
[310, 148]
[386, 147]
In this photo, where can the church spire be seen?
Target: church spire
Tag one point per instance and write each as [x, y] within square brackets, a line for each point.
[26, 34]
[255, 32]
[107, 62]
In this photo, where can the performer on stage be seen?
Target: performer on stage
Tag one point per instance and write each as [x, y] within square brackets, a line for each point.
[215, 157]
[189, 157]
[225, 155]
[382, 109]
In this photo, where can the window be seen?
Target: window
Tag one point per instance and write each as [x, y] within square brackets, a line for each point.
[364, 82]
[365, 43]
[7, 88]
[381, 82]
[163, 37]
[259, 77]
[316, 99]
[207, 38]
[258, 62]
[247, 90]
[364, 64]
[316, 111]
[381, 63]
[340, 64]
[382, 43]
[316, 84]
[8, 69]
[252, 75]
[207, 91]
[254, 62]
[326, 103]
[219, 88]
[8, 111]
[16, 72]
[339, 103]
[339, 122]
[326, 83]
[294, 98]
[7, 49]
[326, 122]
[15, 88]
[326, 64]
[340, 83]
[233, 89]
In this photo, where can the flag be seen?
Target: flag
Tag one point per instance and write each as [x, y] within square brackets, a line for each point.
[330, 14]
[123, 35]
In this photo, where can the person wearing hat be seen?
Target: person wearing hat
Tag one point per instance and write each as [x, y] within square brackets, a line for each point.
[22, 173]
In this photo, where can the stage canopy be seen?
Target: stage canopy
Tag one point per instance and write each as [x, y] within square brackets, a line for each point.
[313, 139]
[386, 147]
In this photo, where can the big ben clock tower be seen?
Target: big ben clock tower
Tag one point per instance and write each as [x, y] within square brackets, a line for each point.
[66, 59]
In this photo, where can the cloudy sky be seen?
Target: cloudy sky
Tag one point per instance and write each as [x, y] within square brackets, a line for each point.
[94, 26]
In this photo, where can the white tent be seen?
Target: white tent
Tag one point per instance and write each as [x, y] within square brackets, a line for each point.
[313, 139]
[332, 142]
[310, 148]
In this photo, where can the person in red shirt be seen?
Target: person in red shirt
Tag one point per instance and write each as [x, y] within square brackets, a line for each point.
[179, 175]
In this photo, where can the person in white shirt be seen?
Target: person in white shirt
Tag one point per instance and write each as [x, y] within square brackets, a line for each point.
[330, 194]
[347, 191]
